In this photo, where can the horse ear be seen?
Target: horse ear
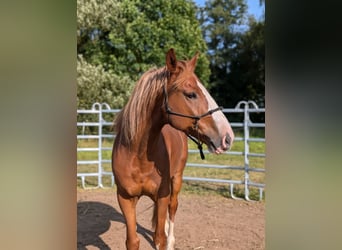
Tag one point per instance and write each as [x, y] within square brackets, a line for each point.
[193, 61]
[171, 60]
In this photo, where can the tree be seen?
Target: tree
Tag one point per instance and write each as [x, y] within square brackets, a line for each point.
[220, 21]
[247, 67]
[95, 82]
[98, 85]
[152, 27]
[124, 38]
[236, 55]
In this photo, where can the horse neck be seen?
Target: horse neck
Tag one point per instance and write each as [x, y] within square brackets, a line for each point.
[149, 135]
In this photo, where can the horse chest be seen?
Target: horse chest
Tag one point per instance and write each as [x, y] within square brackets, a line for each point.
[142, 180]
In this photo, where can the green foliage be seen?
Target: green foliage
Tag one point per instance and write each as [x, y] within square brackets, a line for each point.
[129, 37]
[152, 27]
[220, 19]
[118, 40]
[93, 14]
[236, 55]
[247, 68]
[94, 84]
[95, 81]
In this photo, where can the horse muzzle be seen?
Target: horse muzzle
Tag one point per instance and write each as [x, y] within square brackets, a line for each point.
[221, 145]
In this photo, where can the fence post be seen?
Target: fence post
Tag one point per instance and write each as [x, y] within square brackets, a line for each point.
[246, 145]
[99, 156]
[98, 106]
[246, 123]
[103, 106]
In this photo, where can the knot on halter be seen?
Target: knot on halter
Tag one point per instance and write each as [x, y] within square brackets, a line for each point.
[196, 119]
[199, 145]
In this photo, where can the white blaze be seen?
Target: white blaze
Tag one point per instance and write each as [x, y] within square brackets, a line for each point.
[219, 118]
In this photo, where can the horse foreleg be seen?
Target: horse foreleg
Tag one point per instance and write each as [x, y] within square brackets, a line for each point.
[171, 237]
[172, 211]
[160, 236]
[176, 185]
[128, 207]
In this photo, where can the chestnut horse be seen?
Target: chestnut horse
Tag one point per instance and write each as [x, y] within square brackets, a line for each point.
[150, 149]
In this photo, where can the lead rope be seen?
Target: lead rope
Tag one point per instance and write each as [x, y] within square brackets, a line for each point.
[199, 146]
[197, 140]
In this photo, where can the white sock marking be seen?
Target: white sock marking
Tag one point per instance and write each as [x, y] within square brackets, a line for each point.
[171, 238]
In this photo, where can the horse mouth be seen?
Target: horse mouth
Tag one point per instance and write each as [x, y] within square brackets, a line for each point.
[224, 146]
[214, 145]
[213, 149]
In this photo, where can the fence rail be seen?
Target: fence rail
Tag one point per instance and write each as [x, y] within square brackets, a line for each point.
[97, 163]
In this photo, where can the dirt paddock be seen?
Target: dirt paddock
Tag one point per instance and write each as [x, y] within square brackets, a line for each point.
[202, 222]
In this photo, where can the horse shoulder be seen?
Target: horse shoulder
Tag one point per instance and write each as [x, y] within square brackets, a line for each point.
[177, 147]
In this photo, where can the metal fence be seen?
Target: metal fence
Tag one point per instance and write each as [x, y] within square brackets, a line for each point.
[94, 125]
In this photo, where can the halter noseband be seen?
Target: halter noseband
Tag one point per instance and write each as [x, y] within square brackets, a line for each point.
[196, 119]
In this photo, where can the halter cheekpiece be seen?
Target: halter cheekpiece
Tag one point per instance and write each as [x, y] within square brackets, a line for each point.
[196, 119]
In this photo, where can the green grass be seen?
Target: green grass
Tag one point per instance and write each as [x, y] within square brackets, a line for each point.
[226, 174]
[192, 187]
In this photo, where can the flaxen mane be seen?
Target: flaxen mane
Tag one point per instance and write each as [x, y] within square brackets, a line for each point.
[140, 105]
[138, 109]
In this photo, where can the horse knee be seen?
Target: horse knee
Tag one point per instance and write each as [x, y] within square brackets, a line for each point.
[173, 208]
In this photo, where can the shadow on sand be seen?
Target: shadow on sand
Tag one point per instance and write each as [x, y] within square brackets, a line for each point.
[93, 219]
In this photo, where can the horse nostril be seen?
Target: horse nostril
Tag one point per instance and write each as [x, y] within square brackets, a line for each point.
[224, 143]
[228, 140]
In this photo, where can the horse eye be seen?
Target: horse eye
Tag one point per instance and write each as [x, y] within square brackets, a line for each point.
[191, 95]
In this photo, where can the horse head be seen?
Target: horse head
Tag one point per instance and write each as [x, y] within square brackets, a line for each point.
[189, 106]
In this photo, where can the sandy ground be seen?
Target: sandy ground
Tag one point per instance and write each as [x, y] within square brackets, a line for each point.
[202, 222]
